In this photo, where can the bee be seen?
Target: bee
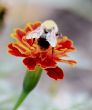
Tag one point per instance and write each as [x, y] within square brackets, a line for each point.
[46, 35]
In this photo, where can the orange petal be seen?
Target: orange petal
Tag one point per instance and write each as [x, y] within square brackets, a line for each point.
[28, 28]
[71, 62]
[35, 25]
[14, 51]
[65, 43]
[20, 33]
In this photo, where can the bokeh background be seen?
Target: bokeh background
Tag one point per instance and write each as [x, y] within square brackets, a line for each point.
[74, 18]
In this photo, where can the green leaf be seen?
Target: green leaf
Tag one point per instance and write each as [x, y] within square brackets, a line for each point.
[30, 81]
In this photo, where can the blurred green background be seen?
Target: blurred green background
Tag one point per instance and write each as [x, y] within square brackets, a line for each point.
[74, 18]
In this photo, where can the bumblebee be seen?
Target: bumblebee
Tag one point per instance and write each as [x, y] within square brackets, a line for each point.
[46, 35]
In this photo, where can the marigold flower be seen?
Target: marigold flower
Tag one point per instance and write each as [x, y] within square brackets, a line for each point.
[34, 55]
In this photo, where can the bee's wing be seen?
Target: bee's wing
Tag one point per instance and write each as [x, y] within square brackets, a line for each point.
[51, 38]
[35, 34]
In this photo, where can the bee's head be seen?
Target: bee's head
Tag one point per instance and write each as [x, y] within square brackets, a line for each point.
[50, 25]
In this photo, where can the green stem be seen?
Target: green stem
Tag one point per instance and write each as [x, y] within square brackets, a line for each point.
[30, 81]
[20, 100]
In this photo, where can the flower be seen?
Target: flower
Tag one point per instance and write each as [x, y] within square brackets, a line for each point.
[34, 55]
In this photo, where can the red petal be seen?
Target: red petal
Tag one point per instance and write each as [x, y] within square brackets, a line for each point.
[20, 33]
[30, 63]
[48, 62]
[35, 25]
[65, 44]
[55, 73]
[28, 29]
[29, 41]
[15, 51]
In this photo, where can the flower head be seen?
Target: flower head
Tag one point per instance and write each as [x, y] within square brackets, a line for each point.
[37, 53]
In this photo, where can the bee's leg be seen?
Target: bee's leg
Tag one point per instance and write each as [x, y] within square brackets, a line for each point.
[33, 41]
[52, 50]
